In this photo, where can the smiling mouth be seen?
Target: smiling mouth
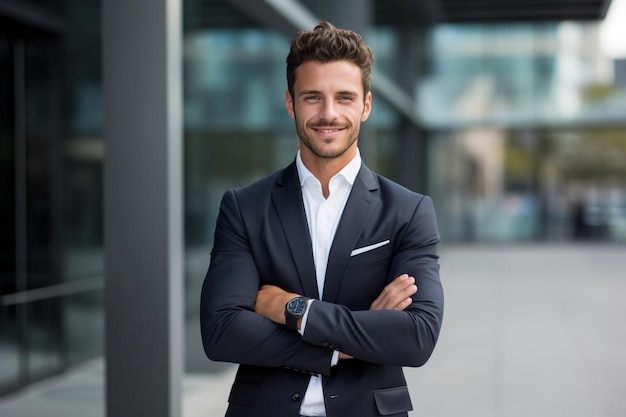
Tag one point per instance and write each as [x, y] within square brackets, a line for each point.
[328, 129]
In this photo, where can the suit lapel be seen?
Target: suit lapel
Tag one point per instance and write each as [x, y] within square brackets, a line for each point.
[287, 199]
[359, 206]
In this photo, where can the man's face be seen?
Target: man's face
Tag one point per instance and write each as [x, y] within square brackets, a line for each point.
[328, 107]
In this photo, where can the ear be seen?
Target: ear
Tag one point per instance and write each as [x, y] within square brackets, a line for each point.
[289, 105]
[367, 107]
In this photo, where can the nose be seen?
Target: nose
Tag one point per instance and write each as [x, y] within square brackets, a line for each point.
[328, 110]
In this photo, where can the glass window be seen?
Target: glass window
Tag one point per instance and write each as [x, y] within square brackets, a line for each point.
[519, 74]
[44, 337]
[83, 318]
[528, 129]
[50, 181]
[508, 185]
[9, 347]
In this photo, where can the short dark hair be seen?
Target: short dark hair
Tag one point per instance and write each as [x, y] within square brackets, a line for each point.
[326, 43]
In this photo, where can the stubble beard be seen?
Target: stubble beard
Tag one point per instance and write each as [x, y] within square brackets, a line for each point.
[319, 151]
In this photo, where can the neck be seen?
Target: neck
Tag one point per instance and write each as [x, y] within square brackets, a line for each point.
[325, 168]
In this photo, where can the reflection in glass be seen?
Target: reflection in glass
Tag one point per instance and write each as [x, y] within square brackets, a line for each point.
[496, 184]
[83, 315]
[9, 347]
[44, 337]
[528, 141]
[520, 75]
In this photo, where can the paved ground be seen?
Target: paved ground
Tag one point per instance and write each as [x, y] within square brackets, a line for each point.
[529, 331]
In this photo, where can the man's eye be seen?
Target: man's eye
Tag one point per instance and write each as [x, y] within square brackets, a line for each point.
[311, 98]
[346, 98]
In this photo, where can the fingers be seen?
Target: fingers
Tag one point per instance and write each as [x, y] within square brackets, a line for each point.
[396, 295]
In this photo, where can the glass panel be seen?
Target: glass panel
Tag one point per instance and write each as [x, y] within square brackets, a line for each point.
[520, 74]
[467, 180]
[506, 185]
[516, 159]
[9, 347]
[7, 170]
[83, 258]
[83, 316]
[586, 183]
[43, 164]
[10, 369]
[44, 337]
[59, 163]
[84, 148]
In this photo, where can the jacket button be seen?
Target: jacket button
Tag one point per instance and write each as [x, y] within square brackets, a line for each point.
[296, 396]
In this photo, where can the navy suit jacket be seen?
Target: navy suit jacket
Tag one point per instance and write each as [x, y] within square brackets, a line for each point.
[262, 237]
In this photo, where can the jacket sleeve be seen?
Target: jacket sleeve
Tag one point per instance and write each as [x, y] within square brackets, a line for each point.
[403, 338]
[231, 330]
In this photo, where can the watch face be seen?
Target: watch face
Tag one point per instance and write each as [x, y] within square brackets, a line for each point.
[296, 306]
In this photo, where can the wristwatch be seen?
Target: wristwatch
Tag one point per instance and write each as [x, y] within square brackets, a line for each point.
[294, 309]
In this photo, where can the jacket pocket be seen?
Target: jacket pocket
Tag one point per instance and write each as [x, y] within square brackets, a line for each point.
[393, 401]
[370, 256]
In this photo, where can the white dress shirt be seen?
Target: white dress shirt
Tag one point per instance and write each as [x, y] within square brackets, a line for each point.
[323, 215]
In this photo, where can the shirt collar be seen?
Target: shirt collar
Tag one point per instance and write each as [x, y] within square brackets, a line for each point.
[349, 172]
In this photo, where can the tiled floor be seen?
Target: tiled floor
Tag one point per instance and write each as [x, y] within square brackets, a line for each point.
[528, 331]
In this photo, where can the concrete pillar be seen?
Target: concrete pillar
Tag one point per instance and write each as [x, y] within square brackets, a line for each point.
[143, 207]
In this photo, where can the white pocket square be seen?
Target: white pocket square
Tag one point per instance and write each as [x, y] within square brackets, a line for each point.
[369, 248]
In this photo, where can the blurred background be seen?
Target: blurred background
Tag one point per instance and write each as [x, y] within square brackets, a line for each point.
[510, 114]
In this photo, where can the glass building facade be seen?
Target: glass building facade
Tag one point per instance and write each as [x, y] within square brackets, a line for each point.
[519, 136]
[527, 127]
[51, 150]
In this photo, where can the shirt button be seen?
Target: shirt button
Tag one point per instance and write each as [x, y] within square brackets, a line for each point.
[296, 396]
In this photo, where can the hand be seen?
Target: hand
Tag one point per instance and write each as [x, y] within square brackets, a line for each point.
[396, 295]
[270, 303]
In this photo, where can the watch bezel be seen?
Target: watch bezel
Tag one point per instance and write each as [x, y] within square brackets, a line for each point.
[296, 306]
[294, 309]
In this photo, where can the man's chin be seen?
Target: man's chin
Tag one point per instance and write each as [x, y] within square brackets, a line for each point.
[329, 153]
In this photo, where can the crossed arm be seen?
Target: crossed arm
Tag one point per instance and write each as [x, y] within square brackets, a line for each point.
[271, 300]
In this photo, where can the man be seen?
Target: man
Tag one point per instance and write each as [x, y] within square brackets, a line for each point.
[324, 276]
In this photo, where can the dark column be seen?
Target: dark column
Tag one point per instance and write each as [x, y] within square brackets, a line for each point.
[143, 207]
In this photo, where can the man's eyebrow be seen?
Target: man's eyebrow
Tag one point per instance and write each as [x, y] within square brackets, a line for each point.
[339, 93]
[307, 92]
[347, 93]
